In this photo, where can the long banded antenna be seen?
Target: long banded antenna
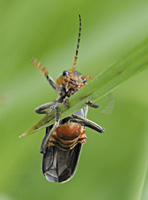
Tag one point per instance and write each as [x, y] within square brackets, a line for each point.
[41, 67]
[78, 44]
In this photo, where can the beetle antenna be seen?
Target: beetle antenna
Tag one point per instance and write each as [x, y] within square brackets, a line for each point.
[78, 44]
[40, 66]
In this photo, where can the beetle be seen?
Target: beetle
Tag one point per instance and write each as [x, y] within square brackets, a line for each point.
[63, 140]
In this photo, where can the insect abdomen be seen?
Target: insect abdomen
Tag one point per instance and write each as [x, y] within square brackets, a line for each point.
[62, 153]
[67, 136]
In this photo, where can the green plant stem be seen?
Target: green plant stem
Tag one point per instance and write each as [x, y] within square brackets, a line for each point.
[134, 62]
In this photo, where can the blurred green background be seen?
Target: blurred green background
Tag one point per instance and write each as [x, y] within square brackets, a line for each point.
[112, 166]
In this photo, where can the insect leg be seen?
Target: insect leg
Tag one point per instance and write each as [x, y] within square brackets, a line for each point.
[87, 123]
[57, 113]
[42, 109]
[40, 66]
[47, 136]
[91, 104]
[49, 133]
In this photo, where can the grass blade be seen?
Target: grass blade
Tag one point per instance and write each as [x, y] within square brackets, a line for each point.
[134, 62]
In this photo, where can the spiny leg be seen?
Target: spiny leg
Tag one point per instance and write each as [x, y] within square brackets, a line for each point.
[48, 134]
[87, 123]
[40, 66]
[78, 44]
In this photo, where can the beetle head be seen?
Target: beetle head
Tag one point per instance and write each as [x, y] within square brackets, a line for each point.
[71, 82]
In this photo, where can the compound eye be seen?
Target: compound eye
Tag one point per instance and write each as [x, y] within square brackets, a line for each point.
[65, 73]
[84, 80]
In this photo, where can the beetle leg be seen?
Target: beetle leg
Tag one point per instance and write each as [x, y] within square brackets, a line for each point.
[53, 84]
[50, 132]
[47, 136]
[57, 113]
[91, 104]
[42, 109]
[87, 123]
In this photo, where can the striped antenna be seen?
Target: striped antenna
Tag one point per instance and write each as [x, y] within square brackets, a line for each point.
[43, 69]
[78, 44]
[40, 66]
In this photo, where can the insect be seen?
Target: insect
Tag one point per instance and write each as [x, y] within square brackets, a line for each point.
[62, 143]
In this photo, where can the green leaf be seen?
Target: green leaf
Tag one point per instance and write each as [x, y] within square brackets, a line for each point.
[134, 62]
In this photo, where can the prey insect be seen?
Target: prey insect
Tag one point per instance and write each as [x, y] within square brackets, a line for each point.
[62, 143]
